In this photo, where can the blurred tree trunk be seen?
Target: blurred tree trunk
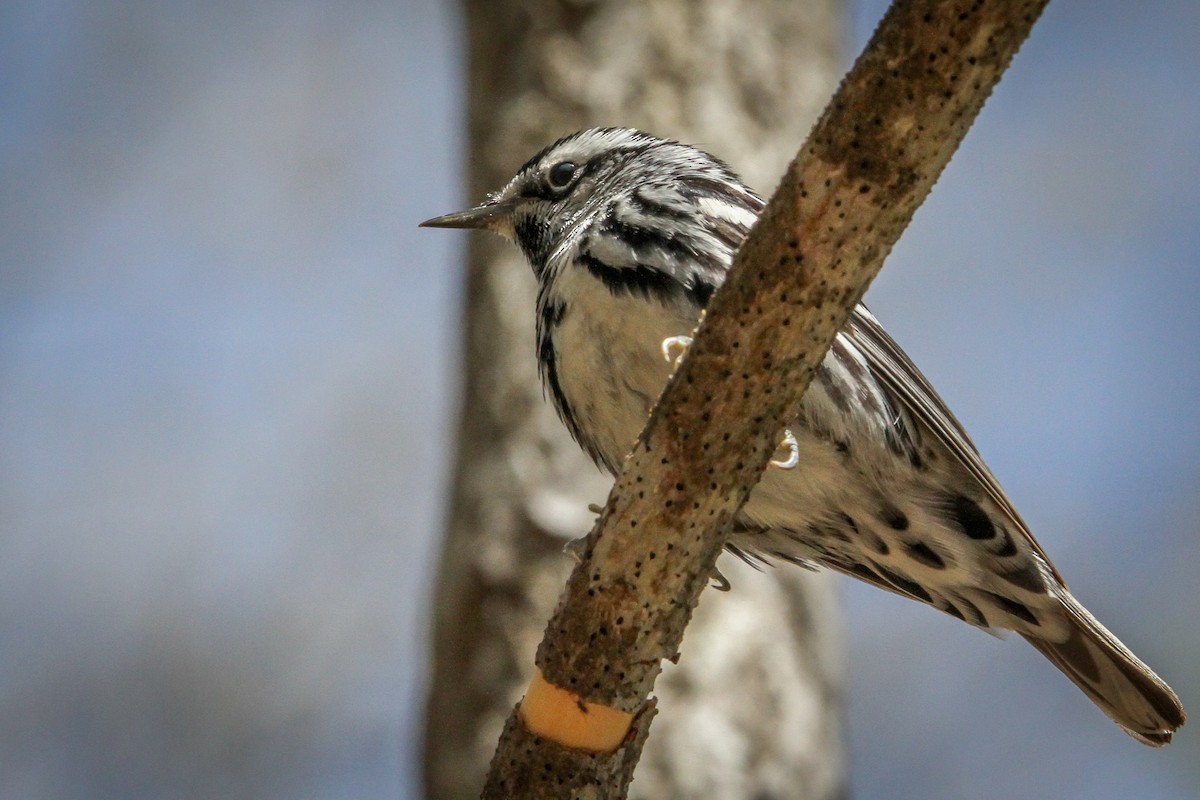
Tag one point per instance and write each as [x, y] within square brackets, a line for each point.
[751, 710]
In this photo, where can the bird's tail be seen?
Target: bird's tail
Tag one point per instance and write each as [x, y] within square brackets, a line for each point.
[1117, 681]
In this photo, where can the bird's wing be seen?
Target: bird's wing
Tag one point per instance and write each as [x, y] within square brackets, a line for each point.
[894, 369]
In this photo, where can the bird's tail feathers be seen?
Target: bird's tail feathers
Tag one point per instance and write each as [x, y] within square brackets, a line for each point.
[1114, 678]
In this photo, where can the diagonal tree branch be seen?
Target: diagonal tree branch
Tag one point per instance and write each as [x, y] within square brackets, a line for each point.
[868, 164]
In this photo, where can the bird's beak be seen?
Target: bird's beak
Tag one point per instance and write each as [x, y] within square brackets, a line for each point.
[488, 216]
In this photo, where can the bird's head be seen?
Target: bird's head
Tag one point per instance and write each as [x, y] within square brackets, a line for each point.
[615, 177]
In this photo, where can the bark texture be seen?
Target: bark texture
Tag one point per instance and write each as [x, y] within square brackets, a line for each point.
[751, 709]
[871, 160]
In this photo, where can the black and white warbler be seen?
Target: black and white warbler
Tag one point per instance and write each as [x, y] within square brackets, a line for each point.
[628, 236]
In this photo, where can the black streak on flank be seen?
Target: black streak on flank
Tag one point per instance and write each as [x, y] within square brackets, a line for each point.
[924, 554]
[862, 571]
[730, 234]
[832, 388]
[894, 517]
[847, 360]
[1008, 548]
[862, 385]
[954, 612]
[970, 518]
[552, 314]
[866, 534]
[975, 616]
[1012, 607]
[637, 280]
[1026, 577]
[905, 585]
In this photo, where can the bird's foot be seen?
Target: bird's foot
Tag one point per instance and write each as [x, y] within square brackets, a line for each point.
[575, 548]
[719, 581]
[674, 348]
[790, 444]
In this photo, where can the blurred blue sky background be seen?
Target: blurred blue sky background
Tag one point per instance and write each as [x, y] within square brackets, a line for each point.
[228, 371]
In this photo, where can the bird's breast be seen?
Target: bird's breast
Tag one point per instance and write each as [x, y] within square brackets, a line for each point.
[608, 360]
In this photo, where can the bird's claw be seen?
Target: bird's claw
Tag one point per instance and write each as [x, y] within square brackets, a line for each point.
[575, 548]
[793, 447]
[671, 344]
[719, 581]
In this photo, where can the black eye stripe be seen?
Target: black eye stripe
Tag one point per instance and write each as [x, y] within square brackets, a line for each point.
[546, 185]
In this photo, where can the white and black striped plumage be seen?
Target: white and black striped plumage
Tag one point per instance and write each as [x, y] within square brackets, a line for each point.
[628, 236]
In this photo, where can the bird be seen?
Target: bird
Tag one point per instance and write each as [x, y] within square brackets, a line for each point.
[628, 236]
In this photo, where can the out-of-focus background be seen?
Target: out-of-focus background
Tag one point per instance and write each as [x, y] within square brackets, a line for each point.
[228, 372]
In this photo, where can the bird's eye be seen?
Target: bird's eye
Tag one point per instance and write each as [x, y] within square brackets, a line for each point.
[561, 174]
